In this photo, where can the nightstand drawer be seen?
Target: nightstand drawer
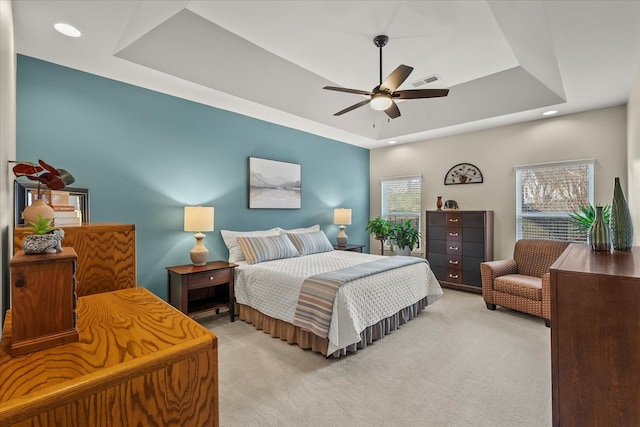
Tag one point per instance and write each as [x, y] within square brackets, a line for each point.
[208, 278]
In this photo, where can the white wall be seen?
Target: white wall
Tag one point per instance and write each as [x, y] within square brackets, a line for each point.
[7, 138]
[633, 153]
[599, 134]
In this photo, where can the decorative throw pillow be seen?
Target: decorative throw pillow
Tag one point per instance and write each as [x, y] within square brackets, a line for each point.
[310, 243]
[300, 230]
[230, 240]
[260, 249]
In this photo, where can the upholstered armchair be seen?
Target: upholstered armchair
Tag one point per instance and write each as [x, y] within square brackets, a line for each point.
[522, 283]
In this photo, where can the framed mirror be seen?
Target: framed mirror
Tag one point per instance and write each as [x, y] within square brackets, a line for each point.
[78, 197]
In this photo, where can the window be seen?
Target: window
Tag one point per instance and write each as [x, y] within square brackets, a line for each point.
[547, 193]
[401, 197]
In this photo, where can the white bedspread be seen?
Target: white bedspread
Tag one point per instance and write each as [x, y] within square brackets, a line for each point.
[272, 288]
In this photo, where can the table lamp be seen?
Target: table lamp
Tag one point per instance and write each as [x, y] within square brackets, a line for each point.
[342, 217]
[198, 219]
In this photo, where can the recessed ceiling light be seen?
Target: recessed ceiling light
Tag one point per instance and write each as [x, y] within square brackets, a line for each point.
[549, 113]
[392, 142]
[67, 30]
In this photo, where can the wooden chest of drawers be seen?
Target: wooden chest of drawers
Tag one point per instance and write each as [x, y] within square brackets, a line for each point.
[595, 337]
[456, 243]
[106, 255]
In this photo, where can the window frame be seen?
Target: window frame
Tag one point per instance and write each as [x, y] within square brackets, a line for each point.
[590, 163]
[385, 214]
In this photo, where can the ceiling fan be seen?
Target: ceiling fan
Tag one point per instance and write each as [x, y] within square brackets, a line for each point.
[382, 96]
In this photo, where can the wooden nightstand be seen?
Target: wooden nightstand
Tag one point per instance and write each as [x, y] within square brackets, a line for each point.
[193, 289]
[348, 247]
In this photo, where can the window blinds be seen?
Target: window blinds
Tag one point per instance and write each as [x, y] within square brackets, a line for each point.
[547, 193]
[401, 197]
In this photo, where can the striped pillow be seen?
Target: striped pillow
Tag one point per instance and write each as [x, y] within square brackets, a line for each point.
[310, 243]
[260, 249]
[231, 240]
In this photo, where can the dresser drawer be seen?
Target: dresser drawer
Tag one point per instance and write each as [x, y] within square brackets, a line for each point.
[454, 248]
[454, 219]
[438, 219]
[437, 246]
[437, 233]
[436, 259]
[454, 234]
[454, 262]
[454, 276]
[208, 278]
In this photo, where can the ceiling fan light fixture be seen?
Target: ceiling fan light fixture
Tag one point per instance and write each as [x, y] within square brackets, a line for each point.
[381, 101]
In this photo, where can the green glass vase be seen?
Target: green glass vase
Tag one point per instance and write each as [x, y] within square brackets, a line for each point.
[599, 233]
[620, 222]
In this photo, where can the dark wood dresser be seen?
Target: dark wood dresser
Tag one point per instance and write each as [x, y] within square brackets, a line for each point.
[595, 337]
[456, 243]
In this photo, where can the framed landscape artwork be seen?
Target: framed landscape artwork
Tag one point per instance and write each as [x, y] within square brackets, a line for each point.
[274, 184]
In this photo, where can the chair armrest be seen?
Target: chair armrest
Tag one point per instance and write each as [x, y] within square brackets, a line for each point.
[489, 270]
[546, 296]
[495, 269]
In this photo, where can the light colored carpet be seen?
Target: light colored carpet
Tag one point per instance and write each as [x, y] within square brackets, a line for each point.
[456, 364]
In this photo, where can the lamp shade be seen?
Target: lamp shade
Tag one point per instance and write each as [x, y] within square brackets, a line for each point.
[342, 216]
[198, 218]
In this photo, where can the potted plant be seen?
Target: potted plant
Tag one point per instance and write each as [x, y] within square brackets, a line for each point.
[379, 227]
[585, 215]
[48, 178]
[45, 238]
[405, 236]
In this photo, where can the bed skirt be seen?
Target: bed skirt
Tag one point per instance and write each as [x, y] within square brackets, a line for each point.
[294, 335]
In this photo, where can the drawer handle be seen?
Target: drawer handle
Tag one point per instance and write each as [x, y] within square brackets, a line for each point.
[210, 277]
[454, 234]
[453, 219]
[453, 248]
[453, 276]
[453, 262]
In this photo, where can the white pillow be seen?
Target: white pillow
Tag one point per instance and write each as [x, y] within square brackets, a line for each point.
[310, 243]
[230, 239]
[260, 249]
[311, 229]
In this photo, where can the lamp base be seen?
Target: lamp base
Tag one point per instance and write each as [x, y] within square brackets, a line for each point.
[199, 253]
[342, 237]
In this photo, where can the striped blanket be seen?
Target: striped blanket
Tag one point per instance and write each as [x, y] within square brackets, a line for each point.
[317, 294]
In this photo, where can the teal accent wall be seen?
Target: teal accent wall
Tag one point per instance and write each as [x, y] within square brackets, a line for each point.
[145, 155]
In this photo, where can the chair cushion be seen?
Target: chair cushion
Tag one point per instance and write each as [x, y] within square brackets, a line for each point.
[520, 285]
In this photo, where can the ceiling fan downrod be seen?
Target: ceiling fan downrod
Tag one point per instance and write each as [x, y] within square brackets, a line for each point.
[380, 41]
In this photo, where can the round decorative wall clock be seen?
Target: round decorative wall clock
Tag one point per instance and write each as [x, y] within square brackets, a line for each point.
[463, 173]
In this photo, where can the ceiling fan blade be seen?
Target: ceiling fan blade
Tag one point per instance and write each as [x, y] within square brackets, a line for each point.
[420, 93]
[344, 89]
[353, 107]
[393, 111]
[396, 78]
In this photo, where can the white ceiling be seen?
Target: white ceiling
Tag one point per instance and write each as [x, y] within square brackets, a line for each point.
[503, 61]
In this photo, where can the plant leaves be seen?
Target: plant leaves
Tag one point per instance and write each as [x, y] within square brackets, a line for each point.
[26, 169]
[66, 177]
[51, 181]
[48, 167]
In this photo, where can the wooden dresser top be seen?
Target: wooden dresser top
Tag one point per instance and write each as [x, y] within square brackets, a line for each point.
[121, 333]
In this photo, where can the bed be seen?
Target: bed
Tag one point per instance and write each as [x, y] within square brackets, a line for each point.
[365, 308]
